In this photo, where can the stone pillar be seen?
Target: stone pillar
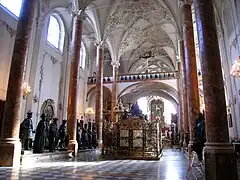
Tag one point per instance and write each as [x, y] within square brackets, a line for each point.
[73, 84]
[181, 110]
[10, 146]
[114, 91]
[191, 67]
[184, 91]
[219, 156]
[99, 93]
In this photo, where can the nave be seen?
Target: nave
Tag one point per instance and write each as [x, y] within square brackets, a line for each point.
[173, 165]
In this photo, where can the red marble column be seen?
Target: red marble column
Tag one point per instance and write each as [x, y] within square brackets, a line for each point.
[219, 156]
[181, 103]
[10, 146]
[114, 91]
[99, 94]
[72, 94]
[184, 90]
[191, 67]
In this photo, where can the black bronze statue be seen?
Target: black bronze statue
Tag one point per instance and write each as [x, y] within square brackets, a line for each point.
[200, 136]
[41, 136]
[53, 135]
[89, 132]
[63, 135]
[26, 131]
[94, 136]
[135, 110]
[85, 137]
[79, 135]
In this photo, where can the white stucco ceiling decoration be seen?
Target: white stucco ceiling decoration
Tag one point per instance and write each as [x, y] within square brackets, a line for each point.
[137, 19]
[158, 49]
[151, 66]
[135, 36]
[128, 25]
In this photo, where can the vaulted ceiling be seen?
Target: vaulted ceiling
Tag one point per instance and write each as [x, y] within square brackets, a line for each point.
[131, 28]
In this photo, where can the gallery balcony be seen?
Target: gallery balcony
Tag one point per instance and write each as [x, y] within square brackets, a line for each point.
[138, 77]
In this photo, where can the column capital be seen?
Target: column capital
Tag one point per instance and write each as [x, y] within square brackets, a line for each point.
[101, 44]
[180, 37]
[115, 64]
[185, 2]
[40, 22]
[79, 14]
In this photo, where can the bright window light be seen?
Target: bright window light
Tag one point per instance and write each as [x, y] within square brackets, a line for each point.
[82, 56]
[13, 6]
[143, 105]
[54, 32]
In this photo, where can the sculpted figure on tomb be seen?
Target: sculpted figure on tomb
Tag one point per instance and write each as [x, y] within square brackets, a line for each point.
[63, 135]
[53, 135]
[40, 140]
[26, 131]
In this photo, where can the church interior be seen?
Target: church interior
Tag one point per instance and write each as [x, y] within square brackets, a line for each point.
[120, 89]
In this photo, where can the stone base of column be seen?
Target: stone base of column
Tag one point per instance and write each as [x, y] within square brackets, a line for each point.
[10, 152]
[73, 147]
[190, 147]
[220, 162]
[100, 144]
[184, 146]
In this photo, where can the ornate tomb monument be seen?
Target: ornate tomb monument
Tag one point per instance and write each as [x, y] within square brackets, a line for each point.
[136, 138]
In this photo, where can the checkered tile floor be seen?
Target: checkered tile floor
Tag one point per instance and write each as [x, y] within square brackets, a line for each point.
[172, 166]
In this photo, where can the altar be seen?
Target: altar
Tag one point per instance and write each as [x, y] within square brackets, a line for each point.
[133, 138]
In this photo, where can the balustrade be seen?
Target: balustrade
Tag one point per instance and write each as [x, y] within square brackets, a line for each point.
[138, 77]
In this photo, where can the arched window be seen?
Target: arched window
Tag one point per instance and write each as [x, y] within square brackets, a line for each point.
[14, 6]
[56, 32]
[82, 56]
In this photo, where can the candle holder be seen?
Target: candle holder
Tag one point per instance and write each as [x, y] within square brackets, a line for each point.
[26, 90]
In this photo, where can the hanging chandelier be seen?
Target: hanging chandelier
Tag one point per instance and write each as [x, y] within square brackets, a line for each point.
[235, 71]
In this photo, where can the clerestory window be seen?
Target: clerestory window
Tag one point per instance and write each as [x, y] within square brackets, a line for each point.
[56, 32]
[82, 56]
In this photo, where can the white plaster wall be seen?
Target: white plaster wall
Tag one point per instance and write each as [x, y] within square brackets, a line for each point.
[40, 53]
[229, 49]
[52, 82]
[81, 94]
[7, 23]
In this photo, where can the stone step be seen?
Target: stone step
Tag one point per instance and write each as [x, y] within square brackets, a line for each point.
[29, 159]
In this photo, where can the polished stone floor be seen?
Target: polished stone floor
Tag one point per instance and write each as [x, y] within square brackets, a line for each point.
[88, 166]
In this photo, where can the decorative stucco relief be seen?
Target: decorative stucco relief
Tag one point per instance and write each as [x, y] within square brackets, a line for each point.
[45, 5]
[9, 29]
[130, 11]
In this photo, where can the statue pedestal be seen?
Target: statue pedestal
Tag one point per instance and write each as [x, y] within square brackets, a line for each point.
[219, 158]
[73, 147]
[10, 152]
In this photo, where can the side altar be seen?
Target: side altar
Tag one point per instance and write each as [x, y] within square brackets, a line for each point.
[132, 137]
